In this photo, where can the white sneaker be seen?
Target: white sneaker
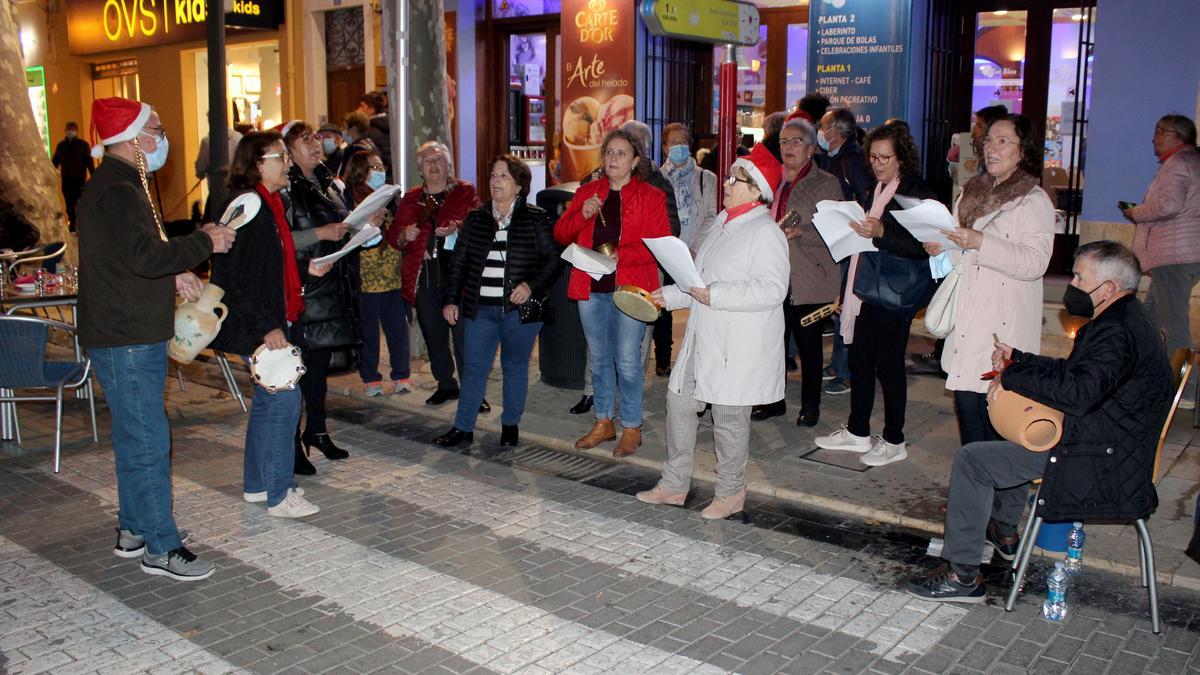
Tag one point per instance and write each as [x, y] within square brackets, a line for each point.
[259, 497]
[293, 506]
[884, 453]
[842, 439]
[403, 386]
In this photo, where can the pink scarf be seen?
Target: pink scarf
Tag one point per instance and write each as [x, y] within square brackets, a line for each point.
[851, 304]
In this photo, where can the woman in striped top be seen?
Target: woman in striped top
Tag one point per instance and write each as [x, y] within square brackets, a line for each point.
[504, 264]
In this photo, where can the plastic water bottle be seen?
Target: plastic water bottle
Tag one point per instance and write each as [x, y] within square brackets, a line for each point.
[1055, 606]
[1075, 549]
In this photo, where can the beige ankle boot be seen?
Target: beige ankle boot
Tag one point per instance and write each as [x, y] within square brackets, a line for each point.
[661, 496]
[723, 507]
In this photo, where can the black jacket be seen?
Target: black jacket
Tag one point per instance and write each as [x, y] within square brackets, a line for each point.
[1115, 390]
[531, 257]
[896, 238]
[74, 157]
[251, 274]
[849, 166]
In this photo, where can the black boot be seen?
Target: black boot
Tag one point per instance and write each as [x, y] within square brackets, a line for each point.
[584, 405]
[509, 435]
[325, 444]
[766, 412]
[808, 417]
[303, 467]
[484, 406]
[454, 438]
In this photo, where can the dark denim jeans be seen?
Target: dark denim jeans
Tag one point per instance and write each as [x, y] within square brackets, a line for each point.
[132, 378]
[490, 328]
[389, 311]
[270, 452]
[615, 355]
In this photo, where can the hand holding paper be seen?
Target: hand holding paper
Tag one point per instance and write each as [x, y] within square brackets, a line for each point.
[833, 222]
[364, 235]
[928, 220]
[377, 200]
[676, 259]
[589, 262]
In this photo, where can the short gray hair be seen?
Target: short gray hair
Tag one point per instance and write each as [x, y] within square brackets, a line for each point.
[773, 125]
[842, 121]
[807, 132]
[1181, 126]
[1112, 261]
[441, 149]
[641, 131]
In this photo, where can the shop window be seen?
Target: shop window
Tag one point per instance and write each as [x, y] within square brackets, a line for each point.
[507, 9]
[1068, 80]
[999, 69]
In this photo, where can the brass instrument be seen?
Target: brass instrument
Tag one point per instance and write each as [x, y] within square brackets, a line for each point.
[826, 311]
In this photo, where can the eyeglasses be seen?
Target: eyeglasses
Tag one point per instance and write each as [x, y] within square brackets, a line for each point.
[1160, 131]
[376, 167]
[882, 160]
[310, 137]
[792, 141]
[155, 132]
[616, 153]
[1001, 141]
[734, 180]
[283, 157]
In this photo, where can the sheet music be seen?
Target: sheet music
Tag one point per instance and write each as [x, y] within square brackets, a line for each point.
[676, 259]
[832, 221]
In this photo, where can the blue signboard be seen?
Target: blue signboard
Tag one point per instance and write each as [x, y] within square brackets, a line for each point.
[858, 56]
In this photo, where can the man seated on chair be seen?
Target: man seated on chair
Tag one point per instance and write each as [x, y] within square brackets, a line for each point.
[1115, 391]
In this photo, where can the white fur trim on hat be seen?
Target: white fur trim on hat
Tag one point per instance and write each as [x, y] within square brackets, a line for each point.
[130, 132]
[759, 180]
[288, 127]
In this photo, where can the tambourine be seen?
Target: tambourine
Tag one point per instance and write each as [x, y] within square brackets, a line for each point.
[1027, 423]
[276, 369]
[636, 303]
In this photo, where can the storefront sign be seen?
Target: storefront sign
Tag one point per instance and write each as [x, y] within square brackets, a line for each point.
[114, 68]
[109, 25]
[598, 70]
[713, 21]
[858, 56]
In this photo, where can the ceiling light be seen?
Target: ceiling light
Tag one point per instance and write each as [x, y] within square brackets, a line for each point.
[1000, 12]
[1077, 17]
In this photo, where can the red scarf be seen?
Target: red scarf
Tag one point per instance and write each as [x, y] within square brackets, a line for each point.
[291, 274]
[785, 193]
[1171, 152]
[738, 210]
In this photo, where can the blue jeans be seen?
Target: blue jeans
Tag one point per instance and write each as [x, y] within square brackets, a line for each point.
[132, 377]
[490, 328]
[389, 311]
[614, 353]
[270, 453]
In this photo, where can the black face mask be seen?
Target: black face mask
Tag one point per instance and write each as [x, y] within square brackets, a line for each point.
[1079, 302]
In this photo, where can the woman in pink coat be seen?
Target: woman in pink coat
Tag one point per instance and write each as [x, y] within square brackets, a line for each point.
[1006, 231]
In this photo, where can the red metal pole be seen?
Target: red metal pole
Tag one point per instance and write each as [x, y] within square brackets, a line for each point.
[727, 126]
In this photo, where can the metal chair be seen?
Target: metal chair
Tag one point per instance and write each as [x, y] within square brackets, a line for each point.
[1181, 363]
[23, 365]
[227, 372]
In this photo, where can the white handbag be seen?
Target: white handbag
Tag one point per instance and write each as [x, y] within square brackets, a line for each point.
[939, 315]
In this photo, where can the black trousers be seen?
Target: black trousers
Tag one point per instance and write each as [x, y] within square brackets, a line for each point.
[438, 336]
[314, 386]
[808, 348]
[880, 340]
[663, 340]
[71, 191]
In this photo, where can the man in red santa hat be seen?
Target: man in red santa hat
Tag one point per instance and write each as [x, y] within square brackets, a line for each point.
[128, 276]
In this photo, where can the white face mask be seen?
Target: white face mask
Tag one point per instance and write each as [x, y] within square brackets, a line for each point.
[71, 133]
[822, 140]
[157, 159]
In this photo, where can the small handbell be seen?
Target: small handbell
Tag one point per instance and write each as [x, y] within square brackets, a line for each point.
[606, 249]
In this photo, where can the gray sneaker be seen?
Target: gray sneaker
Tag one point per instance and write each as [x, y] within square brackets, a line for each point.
[130, 545]
[179, 564]
[837, 387]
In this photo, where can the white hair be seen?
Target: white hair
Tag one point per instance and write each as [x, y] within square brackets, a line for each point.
[441, 149]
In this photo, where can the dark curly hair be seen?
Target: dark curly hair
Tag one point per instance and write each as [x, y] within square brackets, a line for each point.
[902, 143]
[243, 169]
[1031, 146]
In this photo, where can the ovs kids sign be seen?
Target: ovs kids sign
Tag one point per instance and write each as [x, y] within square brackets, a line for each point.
[598, 53]
[107, 25]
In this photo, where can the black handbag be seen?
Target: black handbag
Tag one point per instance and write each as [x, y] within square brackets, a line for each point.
[894, 283]
[536, 309]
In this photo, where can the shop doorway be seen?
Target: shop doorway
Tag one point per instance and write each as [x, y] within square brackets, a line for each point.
[529, 88]
[345, 61]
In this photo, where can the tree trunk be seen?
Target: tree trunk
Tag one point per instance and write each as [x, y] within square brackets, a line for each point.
[27, 178]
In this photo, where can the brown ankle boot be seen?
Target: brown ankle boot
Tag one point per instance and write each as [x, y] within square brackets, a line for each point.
[631, 440]
[603, 430]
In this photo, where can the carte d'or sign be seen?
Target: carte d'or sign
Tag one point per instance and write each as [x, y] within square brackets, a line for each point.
[598, 57]
[109, 25]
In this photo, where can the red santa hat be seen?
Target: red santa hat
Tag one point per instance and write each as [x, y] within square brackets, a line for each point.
[284, 128]
[115, 120]
[763, 169]
[799, 115]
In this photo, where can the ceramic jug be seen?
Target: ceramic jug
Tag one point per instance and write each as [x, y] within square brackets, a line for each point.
[1025, 422]
[197, 323]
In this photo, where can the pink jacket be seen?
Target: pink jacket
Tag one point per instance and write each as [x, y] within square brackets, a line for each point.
[1168, 219]
[1000, 290]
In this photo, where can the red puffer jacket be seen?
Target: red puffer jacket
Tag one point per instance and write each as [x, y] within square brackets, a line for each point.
[643, 214]
[460, 199]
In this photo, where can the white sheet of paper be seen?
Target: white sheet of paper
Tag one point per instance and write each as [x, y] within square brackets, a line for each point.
[929, 221]
[676, 259]
[367, 208]
[367, 233]
[832, 221]
[589, 262]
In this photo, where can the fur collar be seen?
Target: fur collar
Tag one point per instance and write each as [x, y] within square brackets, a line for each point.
[980, 198]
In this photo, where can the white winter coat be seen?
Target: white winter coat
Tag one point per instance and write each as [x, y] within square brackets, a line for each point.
[737, 340]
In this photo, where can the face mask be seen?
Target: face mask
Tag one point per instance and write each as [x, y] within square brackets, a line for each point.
[822, 141]
[678, 153]
[157, 159]
[1078, 302]
[346, 137]
[71, 134]
[376, 179]
[328, 146]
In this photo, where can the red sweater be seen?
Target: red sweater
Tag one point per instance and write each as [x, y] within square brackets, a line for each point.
[460, 199]
[643, 214]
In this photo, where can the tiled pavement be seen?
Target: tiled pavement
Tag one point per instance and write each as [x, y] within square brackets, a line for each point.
[424, 560]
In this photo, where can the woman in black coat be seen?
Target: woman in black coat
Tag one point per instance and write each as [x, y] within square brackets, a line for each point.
[875, 330]
[330, 319]
[504, 264]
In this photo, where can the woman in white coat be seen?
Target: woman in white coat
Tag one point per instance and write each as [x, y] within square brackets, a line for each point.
[732, 355]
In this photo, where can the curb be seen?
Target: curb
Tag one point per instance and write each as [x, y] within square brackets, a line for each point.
[807, 499]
